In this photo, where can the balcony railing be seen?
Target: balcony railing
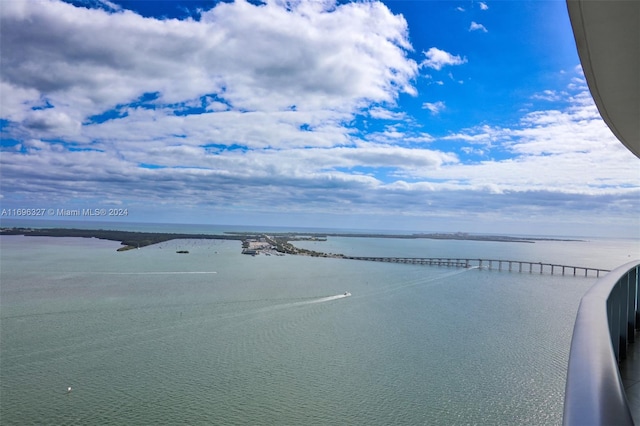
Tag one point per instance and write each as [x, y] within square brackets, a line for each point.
[605, 324]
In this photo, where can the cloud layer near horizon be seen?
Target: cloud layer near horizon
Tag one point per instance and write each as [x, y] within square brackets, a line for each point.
[277, 107]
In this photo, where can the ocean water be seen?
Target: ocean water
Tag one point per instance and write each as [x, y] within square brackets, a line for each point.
[150, 336]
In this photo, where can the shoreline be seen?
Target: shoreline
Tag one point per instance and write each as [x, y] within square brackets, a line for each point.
[128, 239]
[280, 242]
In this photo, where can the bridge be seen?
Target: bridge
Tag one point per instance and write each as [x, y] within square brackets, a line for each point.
[490, 264]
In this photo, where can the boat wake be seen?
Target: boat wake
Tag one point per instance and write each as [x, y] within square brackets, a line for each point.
[157, 273]
[421, 282]
[326, 299]
[290, 305]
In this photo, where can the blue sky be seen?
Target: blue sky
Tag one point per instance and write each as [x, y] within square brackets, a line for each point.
[410, 115]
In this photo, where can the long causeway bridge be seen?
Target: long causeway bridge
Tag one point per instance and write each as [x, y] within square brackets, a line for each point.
[491, 264]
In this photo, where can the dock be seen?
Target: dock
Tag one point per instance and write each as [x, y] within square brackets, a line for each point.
[492, 264]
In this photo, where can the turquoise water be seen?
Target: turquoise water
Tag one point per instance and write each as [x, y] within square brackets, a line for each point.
[149, 336]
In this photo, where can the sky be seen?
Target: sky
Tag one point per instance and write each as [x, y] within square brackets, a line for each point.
[452, 116]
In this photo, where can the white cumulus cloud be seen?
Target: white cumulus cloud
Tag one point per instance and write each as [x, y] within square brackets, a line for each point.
[437, 59]
[434, 107]
[477, 27]
[87, 61]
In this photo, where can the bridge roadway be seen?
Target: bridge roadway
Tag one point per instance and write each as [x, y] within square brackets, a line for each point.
[490, 264]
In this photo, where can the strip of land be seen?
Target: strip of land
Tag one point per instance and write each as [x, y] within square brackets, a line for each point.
[128, 239]
[253, 243]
